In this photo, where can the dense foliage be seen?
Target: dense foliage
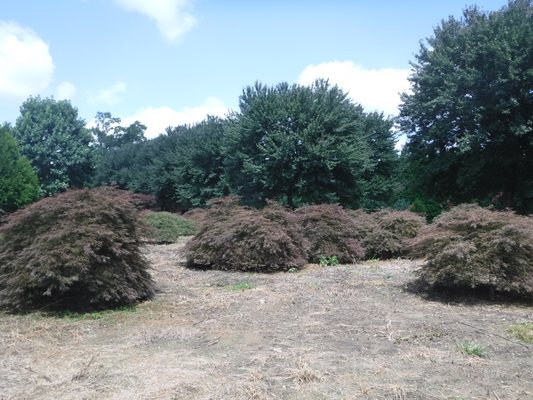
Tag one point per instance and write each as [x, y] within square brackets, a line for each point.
[306, 145]
[246, 239]
[167, 227]
[18, 183]
[331, 231]
[78, 250]
[386, 233]
[470, 247]
[469, 116]
[56, 142]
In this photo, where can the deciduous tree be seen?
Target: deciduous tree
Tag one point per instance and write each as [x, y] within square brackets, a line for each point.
[469, 116]
[56, 142]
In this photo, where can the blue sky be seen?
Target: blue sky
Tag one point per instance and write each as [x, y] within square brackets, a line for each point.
[169, 62]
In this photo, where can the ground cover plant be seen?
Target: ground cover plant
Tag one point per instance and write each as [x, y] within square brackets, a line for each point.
[243, 238]
[474, 247]
[78, 250]
[522, 331]
[166, 227]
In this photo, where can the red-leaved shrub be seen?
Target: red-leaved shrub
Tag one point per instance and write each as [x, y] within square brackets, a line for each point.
[392, 233]
[470, 246]
[331, 231]
[232, 237]
[78, 250]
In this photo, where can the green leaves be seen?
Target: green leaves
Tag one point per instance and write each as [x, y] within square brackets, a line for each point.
[299, 145]
[56, 142]
[470, 114]
[18, 183]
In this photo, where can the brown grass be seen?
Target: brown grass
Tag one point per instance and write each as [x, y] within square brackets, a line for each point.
[345, 332]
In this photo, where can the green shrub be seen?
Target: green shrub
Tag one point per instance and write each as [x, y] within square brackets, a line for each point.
[470, 247]
[330, 230]
[166, 227]
[328, 261]
[19, 185]
[245, 239]
[79, 250]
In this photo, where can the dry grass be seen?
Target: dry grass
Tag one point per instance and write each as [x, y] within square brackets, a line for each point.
[344, 332]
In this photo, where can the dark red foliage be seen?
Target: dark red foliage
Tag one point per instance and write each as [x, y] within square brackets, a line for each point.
[390, 233]
[469, 247]
[240, 238]
[78, 250]
[331, 231]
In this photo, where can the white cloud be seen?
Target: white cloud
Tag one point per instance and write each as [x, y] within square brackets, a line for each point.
[171, 16]
[65, 91]
[26, 66]
[110, 95]
[157, 119]
[374, 89]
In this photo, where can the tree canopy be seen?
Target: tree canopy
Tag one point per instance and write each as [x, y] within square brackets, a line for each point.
[469, 116]
[56, 142]
[299, 145]
[18, 182]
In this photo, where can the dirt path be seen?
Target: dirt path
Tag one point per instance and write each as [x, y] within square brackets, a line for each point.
[348, 332]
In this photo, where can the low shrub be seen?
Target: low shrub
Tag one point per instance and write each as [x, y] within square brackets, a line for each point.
[331, 231]
[386, 233]
[473, 247]
[139, 201]
[245, 239]
[392, 233]
[167, 227]
[79, 250]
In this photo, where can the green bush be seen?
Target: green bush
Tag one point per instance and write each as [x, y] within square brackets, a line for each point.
[473, 247]
[330, 230]
[19, 185]
[79, 250]
[246, 239]
[166, 227]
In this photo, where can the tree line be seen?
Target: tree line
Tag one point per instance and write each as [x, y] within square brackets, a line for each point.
[468, 119]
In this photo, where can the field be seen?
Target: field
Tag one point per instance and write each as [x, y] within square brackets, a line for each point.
[339, 332]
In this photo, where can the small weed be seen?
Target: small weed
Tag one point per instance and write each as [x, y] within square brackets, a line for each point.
[240, 287]
[95, 315]
[328, 261]
[473, 349]
[522, 331]
[293, 270]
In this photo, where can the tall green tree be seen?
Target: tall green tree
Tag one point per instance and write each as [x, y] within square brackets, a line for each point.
[381, 182]
[297, 144]
[469, 116]
[18, 182]
[55, 140]
[198, 172]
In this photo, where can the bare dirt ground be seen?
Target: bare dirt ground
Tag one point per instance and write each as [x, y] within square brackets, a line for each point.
[344, 332]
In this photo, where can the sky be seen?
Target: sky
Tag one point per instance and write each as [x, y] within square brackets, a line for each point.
[172, 62]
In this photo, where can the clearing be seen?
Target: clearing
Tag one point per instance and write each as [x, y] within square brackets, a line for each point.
[343, 332]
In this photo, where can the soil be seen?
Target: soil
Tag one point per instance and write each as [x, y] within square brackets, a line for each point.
[338, 332]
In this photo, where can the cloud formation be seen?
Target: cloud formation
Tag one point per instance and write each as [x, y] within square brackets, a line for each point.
[26, 66]
[65, 91]
[375, 89]
[157, 119]
[109, 96]
[171, 16]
